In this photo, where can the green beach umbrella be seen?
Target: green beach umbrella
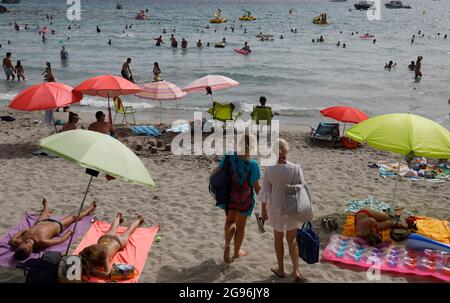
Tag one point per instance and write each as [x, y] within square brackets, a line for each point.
[98, 153]
[403, 134]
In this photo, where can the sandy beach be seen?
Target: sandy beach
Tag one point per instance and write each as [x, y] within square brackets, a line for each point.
[191, 245]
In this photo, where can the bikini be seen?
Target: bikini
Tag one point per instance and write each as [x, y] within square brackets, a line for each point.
[108, 239]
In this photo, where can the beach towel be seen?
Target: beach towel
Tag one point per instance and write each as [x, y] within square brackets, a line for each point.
[7, 253]
[135, 253]
[145, 130]
[183, 128]
[435, 229]
[371, 203]
[430, 173]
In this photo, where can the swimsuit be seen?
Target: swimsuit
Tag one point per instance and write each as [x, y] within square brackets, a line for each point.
[108, 239]
[61, 228]
[9, 71]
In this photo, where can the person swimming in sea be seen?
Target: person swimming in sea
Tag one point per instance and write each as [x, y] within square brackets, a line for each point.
[390, 65]
[412, 66]
[338, 43]
[98, 29]
[159, 40]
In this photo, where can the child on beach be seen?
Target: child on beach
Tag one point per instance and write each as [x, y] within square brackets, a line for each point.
[20, 72]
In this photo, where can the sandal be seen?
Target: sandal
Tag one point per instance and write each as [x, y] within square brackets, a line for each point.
[260, 222]
[329, 224]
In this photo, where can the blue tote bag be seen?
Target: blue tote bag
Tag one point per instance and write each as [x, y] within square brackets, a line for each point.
[308, 244]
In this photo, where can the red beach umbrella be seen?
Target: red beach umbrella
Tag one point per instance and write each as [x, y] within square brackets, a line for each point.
[107, 86]
[45, 96]
[346, 114]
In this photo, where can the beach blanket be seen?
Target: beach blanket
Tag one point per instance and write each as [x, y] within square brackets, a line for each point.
[135, 253]
[439, 173]
[435, 229]
[183, 128]
[7, 253]
[372, 203]
[145, 130]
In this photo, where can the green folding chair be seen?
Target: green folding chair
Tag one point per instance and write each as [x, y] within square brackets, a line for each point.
[123, 110]
[223, 113]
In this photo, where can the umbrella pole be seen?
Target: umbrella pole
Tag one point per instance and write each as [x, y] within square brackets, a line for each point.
[160, 112]
[343, 132]
[396, 181]
[54, 124]
[78, 216]
[109, 111]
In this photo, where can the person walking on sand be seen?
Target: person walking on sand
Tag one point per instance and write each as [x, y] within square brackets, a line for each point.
[96, 259]
[273, 198]
[243, 175]
[417, 70]
[41, 235]
[126, 71]
[20, 72]
[8, 67]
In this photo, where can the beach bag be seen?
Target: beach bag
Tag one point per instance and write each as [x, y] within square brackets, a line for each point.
[308, 244]
[220, 185]
[44, 269]
[298, 197]
[123, 272]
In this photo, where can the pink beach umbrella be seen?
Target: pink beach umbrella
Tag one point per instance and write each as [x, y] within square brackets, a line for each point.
[210, 83]
[161, 91]
[107, 86]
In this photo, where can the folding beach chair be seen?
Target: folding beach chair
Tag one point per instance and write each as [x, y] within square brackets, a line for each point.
[123, 110]
[325, 132]
[223, 113]
[263, 114]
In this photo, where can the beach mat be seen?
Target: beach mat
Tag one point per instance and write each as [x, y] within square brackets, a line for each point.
[135, 253]
[7, 253]
[435, 229]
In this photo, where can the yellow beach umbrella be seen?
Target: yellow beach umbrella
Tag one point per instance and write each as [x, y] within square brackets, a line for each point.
[403, 134]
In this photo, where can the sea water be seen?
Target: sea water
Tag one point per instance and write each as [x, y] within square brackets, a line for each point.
[298, 77]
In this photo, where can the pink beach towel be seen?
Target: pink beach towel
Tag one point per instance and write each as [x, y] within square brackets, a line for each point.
[135, 252]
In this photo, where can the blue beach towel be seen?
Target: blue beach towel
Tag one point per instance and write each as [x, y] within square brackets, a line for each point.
[145, 130]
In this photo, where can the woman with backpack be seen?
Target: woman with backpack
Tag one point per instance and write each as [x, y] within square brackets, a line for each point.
[243, 175]
[273, 202]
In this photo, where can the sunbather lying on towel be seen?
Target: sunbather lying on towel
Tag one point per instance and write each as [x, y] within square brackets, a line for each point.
[369, 223]
[41, 235]
[96, 258]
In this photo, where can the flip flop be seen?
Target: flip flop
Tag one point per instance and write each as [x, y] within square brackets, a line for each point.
[260, 222]
[277, 274]
[301, 280]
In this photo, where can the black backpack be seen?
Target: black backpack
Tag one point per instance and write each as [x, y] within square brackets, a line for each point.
[44, 269]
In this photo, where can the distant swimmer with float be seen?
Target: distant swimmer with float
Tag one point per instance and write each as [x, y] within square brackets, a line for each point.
[218, 17]
[321, 19]
[247, 16]
[245, 50]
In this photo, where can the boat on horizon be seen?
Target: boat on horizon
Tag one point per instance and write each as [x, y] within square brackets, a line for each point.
[396, 4]
[363, 5]
[10, 1]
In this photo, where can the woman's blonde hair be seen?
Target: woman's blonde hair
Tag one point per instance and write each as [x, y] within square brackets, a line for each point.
[283, 147]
